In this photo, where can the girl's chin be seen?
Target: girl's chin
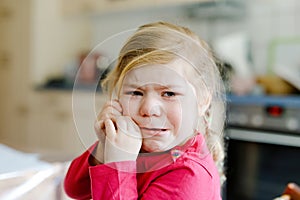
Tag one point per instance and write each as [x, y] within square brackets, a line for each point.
[152, 147]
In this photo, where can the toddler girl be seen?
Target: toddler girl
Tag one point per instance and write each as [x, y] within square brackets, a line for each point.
[160, 135]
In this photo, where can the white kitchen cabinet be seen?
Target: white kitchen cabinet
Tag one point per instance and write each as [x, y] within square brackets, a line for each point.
[76, 7]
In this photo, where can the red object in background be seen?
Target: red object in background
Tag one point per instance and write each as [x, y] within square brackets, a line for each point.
[275, 111]
[88, 68]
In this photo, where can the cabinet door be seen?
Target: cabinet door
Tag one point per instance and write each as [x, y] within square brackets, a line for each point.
[51, 129]
[14, 56]
[14, 48]
[7, 25]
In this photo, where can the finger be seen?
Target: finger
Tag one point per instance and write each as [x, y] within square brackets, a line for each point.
[107, 115]
[294, 191]
[99, 126]
[111, 117]
[110, 129]
[121, 124]
[113, 104]
[116, 104]
[101, 135]
[108, 112]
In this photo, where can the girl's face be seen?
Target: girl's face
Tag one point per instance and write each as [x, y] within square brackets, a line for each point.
[162, 103]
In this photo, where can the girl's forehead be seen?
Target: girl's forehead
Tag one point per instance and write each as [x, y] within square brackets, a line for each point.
[172, 74]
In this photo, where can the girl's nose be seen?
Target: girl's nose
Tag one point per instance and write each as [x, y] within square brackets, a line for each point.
[150, 106]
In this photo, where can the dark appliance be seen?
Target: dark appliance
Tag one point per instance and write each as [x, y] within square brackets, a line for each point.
[263, 146]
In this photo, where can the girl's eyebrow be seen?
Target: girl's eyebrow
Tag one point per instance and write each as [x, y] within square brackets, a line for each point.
[159, 86]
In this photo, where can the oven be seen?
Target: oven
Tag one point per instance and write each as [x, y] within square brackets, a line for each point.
[262, 138]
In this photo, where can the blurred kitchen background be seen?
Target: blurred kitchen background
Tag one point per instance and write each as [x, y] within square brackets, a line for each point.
[43, 43]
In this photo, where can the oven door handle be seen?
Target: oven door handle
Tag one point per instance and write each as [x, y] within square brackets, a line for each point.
[263, 137]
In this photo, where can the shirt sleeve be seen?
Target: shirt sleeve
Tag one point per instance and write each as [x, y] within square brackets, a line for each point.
[77, 182]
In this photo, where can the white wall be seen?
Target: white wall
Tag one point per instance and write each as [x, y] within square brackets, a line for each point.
[269, 20]
[57, 39]
[113, 29]
[264, 21]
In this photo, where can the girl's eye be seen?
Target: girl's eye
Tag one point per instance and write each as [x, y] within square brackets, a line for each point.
[168, 94]
[135, 93]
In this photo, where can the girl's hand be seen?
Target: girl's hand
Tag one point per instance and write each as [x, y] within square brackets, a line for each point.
[293, 190]
[123, 141]
[111, 110]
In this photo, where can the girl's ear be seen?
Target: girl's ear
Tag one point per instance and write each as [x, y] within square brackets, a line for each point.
[204, 103]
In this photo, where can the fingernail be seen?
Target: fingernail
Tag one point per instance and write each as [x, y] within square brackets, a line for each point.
[291, 185]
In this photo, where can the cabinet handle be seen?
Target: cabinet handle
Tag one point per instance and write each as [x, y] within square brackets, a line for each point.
[4, 60]
[62, 115]
[5, 13]
[22, 110]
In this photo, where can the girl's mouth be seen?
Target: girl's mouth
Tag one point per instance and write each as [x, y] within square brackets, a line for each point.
[153, 131]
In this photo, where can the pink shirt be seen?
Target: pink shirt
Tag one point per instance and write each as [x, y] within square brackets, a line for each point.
[185, 172]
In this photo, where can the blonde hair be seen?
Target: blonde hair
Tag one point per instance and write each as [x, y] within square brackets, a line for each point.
[162, 43]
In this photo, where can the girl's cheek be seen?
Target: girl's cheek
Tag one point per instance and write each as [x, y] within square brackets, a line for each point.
[126, 111]
[126, 104]
[122, 101]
